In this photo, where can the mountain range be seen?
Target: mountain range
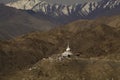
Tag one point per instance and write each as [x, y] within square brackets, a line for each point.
[34, 34]
[25, 16]
[67, 13]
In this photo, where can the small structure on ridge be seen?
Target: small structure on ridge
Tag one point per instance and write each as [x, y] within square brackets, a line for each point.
[68, 52]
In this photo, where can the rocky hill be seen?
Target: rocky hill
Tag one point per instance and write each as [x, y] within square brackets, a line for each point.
[70, 69]
[89, 38]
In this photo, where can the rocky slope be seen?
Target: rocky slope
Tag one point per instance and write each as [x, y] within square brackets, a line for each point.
[15, 22]
[67, 13]
[70, 69]
[89, 38]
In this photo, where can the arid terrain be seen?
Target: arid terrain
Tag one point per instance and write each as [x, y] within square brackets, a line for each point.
[29, 57]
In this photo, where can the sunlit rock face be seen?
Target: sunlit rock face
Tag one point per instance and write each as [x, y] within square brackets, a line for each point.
[67, 13]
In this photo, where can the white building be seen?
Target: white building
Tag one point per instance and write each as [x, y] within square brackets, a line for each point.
[68, 52]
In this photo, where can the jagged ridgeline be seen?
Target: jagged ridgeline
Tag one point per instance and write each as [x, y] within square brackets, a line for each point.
[32, 47]
[98, 39]
[66, 13]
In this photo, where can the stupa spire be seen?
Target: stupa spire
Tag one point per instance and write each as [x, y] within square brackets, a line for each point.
[68, 47]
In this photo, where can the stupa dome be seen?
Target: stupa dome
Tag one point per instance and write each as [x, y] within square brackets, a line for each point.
[68, 52]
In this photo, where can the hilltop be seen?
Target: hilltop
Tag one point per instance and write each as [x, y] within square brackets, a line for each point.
[90, 38]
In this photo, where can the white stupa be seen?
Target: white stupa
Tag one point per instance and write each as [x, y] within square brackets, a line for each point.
[68, 52]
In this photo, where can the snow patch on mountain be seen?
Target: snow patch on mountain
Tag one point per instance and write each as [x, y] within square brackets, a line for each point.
[62, 10]
[24, 4]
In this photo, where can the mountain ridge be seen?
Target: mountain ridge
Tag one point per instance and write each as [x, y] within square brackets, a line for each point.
[14, 22]
[89, 38]
[67, 13]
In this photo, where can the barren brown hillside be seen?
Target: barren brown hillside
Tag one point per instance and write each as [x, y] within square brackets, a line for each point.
[88, 38]
[15, 23]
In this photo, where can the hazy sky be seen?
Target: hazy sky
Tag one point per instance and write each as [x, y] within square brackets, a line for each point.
[57, 1]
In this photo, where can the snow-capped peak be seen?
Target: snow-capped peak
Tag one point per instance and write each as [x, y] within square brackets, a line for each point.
[24, 4]
[85, 10]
